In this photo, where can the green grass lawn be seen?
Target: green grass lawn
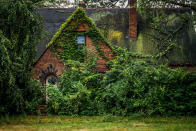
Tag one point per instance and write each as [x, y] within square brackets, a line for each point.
[97, 123]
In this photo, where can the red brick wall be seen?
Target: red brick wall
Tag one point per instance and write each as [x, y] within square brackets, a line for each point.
[101, 67]
[44, 62]
[82, 27]
[133, 20]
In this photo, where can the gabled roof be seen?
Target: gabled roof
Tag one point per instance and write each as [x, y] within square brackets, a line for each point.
[79, 15]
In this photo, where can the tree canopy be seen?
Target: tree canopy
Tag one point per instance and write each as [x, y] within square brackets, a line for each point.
[75, 3]
[167, 4]
[20, 30]
[116, 3]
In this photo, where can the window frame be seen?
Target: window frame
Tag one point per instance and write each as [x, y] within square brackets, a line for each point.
[79, 45]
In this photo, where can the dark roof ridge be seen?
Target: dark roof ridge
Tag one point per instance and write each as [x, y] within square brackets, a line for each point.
[111, 8]
[84, 8]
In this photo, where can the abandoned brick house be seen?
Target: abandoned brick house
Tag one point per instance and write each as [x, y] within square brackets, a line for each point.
[122, 27]
[79, 28]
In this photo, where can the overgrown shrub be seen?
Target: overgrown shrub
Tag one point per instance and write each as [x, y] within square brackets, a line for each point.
[155, 89]
[54, 99]
[129, 87]
[34, 96]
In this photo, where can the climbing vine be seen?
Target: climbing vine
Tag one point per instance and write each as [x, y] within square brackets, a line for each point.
[66, 37]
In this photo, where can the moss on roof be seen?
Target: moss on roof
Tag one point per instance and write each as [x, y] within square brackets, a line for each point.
[79, 16]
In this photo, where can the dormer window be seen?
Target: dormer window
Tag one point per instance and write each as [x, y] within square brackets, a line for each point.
[81, 41]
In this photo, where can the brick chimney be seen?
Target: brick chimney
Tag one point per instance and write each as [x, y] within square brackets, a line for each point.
[133, 20]
[82, 4]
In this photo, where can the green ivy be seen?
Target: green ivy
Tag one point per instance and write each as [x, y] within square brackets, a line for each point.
[66, 37]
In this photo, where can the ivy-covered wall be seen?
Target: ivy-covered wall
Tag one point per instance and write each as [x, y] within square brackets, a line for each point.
[63, 46]
[114, 24]
[79, 24]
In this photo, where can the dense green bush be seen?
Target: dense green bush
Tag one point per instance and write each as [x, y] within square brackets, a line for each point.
[34, 96]
[130, 87]
[20, 30]
[55, 99]
[154, 90]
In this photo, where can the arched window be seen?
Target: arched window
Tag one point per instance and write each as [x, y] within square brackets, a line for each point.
[51, 79]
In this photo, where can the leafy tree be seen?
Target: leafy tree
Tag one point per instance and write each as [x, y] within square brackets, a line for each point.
[106, 4]
[89, 3]
[167, 4]
[117, 3]
[20, 29]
